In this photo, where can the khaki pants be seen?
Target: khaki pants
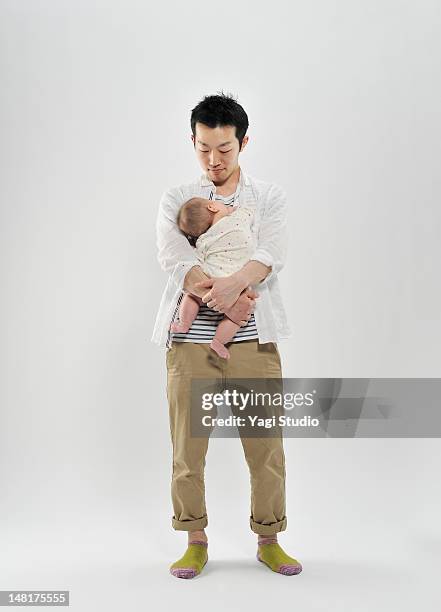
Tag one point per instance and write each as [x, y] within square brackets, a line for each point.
[265, 456]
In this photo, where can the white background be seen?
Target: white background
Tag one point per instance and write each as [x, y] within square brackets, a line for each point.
[343, 99]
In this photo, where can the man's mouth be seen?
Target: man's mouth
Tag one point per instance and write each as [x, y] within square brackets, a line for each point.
[220, 170]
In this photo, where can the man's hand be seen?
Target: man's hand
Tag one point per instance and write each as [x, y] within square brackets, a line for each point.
[241, 311]
[223, 292]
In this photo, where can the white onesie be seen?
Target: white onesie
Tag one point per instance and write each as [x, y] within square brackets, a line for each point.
[227, 245]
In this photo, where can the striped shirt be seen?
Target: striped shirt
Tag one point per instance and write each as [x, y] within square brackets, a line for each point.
[204, 326]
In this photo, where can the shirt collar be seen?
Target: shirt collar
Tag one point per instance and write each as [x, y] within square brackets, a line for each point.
[205, 181]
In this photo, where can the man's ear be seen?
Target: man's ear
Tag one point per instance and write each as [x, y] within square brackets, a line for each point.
[244, 143]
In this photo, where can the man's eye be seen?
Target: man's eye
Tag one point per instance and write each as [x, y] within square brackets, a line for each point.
[202, 151]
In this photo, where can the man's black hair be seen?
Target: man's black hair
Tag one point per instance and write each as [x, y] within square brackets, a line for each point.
[219, 111]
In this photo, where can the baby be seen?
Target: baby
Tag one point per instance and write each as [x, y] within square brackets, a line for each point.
[224, 245]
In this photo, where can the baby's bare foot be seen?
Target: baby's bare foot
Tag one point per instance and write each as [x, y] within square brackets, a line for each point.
[220, 349]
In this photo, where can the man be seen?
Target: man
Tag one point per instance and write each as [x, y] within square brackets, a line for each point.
[219, 125]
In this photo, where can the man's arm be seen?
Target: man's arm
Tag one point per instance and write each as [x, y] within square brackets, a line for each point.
[252, 273]
[268, 257]
[273, 236]
[242, 304]
[221, 293]
[175, 255]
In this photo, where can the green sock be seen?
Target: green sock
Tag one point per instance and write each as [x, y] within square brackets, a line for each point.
[272, 554]
[192, 562]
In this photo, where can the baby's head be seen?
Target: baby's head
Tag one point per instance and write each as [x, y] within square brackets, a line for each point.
[198, 214]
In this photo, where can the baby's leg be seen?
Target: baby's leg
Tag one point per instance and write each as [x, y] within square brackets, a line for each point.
[225, 332]
[188, 311]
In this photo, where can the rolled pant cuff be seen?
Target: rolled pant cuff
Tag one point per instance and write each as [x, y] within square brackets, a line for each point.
[195, 525]
[268, 529]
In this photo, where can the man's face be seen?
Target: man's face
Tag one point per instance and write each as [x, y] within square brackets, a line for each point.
[217, 150]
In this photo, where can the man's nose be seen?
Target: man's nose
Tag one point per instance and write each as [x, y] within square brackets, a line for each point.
[213, 159]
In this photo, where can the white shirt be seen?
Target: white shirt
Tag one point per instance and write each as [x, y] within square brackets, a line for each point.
[176, 256]
[227, 245]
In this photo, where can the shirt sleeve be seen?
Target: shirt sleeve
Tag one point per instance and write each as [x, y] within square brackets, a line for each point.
[272, 235]
[175, 254]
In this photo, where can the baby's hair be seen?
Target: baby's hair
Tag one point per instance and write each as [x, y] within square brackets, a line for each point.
[194, 218]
